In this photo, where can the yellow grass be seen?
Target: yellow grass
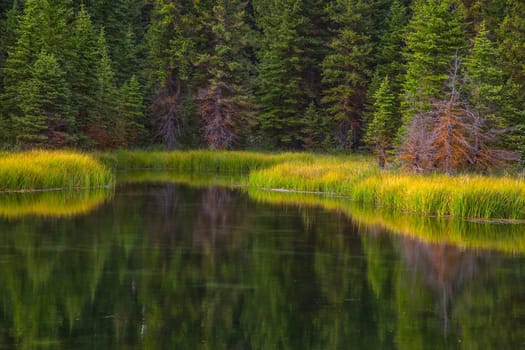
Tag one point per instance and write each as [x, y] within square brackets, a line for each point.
[36, 170]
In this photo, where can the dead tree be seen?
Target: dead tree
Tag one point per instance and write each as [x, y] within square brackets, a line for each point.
[453, 136]
[167, 111]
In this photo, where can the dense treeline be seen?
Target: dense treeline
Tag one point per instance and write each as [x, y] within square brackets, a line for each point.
[294, 74]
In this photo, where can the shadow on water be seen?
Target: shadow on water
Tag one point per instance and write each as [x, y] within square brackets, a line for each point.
[164, 265]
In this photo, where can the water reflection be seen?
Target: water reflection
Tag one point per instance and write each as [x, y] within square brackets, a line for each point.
[168, 266]
[52, 203]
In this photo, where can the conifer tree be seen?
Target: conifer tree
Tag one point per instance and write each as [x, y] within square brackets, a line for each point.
[314, 131]
[511, 46]
[42, 27]
[346, 70]
[83, 69]
[281, 91]
[224, 103]
[171, 50]
[101, 123]
[121, 20]
[389, 59]
[44, 120]
[485, 81]
[381, 130]
[435, 35]
[130, 128]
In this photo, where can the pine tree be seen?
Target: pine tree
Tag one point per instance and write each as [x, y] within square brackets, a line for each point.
[121, 20]
[485, 81]
[511, 46]
[389, 61]
[346, 69]
[44, 120]
[171, 45]
[101, 123]
[381, 130]
[435, 34]
[41, 27]
[130, 128]
[224, 103]
[83, 69]
[281, 91]
[313, 131]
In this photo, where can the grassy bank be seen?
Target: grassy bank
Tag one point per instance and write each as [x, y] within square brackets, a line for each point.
[39, 170]
[437, 195]
[199, 160]
[356, 177]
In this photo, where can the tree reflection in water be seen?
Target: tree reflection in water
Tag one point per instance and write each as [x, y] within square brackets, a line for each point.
[168, 266]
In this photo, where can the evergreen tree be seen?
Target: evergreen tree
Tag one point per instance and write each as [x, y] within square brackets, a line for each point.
[281, 91]
[83, 69]
[381, 130]
[171, 50]
[346, 69]
[511, 45]
[122, 23]
[41, 27]
[44, 120]
[313, 132]
[435, 34]
[101, 124]
[485, 81]
[389, 60]
[224, 103]
[130, 123]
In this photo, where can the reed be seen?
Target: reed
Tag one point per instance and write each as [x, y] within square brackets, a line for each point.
[38, 170]
[199, 160]
[436, 195]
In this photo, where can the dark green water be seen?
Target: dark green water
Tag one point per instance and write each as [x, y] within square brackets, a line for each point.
[165, 266]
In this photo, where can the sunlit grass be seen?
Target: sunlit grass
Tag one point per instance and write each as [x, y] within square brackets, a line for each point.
[435, 195]
[199, 160]
[356, 177]
[36, 170]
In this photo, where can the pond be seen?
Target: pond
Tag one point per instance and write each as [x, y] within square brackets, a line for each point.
[167, 265]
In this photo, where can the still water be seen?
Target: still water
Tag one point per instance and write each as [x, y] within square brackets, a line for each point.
[169, 266]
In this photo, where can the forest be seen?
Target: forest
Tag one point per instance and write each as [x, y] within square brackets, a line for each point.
[437, 83]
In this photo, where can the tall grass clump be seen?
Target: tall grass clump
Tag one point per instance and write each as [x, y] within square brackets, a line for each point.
[328, 174]
[199, 160]
[436, 195]
[39, 170]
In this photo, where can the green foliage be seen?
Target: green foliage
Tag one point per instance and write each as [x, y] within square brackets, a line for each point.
[314, 130]
[346, 70]
[130, 130]
[83, 69]
[381, 130]
[485, 80]
[44, 100]
[104, 118]
[225, 101]
[434, 36]
[281, 90]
